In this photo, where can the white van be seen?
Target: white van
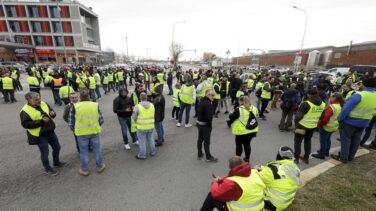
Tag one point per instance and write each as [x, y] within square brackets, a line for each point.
[342, 70]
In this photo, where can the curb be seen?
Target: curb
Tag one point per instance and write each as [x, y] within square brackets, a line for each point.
[309, 174]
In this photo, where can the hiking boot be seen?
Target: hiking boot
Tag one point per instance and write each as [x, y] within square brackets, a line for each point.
[305, 160]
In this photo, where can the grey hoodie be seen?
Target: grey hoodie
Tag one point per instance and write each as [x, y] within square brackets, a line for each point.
[135, 114]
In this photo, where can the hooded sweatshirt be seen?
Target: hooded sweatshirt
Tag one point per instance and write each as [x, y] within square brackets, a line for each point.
[304, 108]
[136, 112]
[228, 190]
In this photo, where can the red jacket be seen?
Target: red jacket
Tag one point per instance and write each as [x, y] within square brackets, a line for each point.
[228, 190]
[328, 113]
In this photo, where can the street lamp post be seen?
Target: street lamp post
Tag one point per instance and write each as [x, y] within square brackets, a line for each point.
[305, 28]
[126, 43]
[173, 30]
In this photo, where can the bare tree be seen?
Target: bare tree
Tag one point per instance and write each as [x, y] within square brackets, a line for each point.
[176, 51]
[209, 57]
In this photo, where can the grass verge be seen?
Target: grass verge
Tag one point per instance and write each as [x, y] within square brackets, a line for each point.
[344, 187]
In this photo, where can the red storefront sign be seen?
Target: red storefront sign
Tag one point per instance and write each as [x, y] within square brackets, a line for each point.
[44, 51]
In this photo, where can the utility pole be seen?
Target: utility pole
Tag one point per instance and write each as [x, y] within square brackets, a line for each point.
[126, 43]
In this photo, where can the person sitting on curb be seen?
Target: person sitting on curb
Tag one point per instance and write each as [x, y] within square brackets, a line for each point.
[241, 190]
[282, 179]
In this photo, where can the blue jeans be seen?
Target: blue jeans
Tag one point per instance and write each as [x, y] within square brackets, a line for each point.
[367, 134]
[43, 148]
[55, 93]
[350, 141]
[83, 143]
[160, 131]
[258, 104]
[170, 89]
[125, 124]
[98, 92]
[93, 94]
[325, 142]
[187, 108]
[143, 137]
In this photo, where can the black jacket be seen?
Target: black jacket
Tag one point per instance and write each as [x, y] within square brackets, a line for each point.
[159, 105]
[120, 104]
[304, 108]
[205, 111]
[235, 84]
[47, 128]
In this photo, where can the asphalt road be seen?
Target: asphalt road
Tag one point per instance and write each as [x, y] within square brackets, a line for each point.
[172, 180]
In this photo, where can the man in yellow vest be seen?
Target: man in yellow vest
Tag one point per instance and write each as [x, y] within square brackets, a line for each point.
[306, 119]
[243, 189]
[143, 115]
[65, 91]
[92, 84]
[187, 97]
[33, 82]
[85, 119]
[36, 116]
[266, 96]
[7, 85]
[147, 79]
[282, 179]
[161, 77]
[97, 78]
[16, 77]
[120, 76]
[355, 116]
[224, 93]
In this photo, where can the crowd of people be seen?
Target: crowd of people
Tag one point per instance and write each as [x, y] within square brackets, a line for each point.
[307, 105]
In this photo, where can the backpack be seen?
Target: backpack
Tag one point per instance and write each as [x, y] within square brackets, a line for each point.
[252, 121]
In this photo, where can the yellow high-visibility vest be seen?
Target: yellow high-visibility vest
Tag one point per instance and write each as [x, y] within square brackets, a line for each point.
[175, 98]
[92, 82]
[266, 94]
[217, 95]
[186, 94]
[36, 115]
[65, 91]
[33, 82]
[332, 125]
[145, 119]
[238, 127]
[252, 198]
[86, 118]
[311, 118]
[7, 83]
[366, 109]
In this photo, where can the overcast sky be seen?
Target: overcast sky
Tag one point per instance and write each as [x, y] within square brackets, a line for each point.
[218, 25]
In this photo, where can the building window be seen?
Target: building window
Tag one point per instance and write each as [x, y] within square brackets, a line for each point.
[22, 39]
[64, 12]
[59, 41]
[43, 40]
[39, 27]
[90, 33]
[69, 41]
[16, 11]
[2, 14]
[19, 26]
[57, 27]
[3, 26]
[67, 27]
[54, 12]
[38, 11]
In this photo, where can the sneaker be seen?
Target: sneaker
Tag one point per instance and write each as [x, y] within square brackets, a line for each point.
[139, 158]
[178, 124]
[212, 160]
[318, 156]
[83, 173]
[200, 157]
[127, 147]
[52, 173]
[101, 169]
[188, 125]
[135, 143]
[157, 144]
[60, 165]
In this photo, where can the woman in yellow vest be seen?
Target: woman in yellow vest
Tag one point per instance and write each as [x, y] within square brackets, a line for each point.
[306, 119]
[239, 119]
[328, 124]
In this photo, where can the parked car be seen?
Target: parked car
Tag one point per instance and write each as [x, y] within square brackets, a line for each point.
[342, 70]
[364, 70]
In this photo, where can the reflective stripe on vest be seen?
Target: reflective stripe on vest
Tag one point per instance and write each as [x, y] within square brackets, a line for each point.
[86, 118]
[36, 115]
[175, 98]
[312, 117]
[253, 193]
[7, 83]
[366, 108]
[332, 125]
[145, 119]
[266, 94]
[186, 94]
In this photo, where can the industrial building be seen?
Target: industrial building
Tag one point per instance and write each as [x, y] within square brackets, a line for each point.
[48, 30]
[327, 56]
